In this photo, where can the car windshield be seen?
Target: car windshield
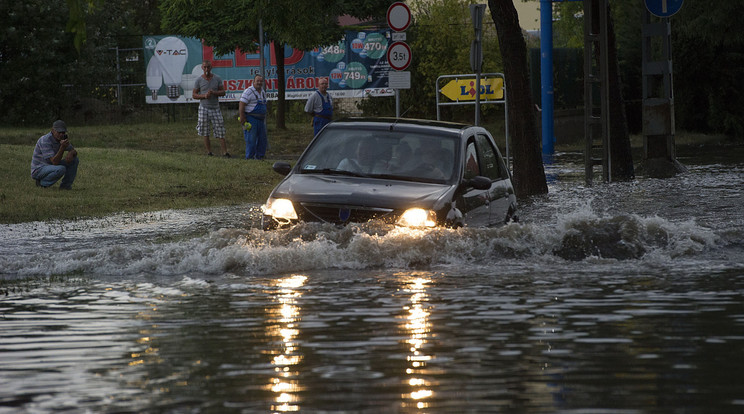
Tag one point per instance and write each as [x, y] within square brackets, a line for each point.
[382, 154]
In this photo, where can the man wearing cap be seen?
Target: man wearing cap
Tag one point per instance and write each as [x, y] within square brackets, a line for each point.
[50, 163]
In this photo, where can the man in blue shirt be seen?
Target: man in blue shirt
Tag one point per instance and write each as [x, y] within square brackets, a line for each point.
[49, 162]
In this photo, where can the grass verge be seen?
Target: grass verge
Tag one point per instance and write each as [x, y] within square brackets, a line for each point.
[151, 167]
[146, 167]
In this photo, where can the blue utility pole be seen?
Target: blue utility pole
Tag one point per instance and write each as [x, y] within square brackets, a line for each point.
[546, 79]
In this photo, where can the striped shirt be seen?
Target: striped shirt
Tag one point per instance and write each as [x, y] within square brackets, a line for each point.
[46, 148]
[251, 97]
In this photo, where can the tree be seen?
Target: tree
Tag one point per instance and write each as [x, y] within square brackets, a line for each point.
[529, 176]
[445, 25]
[76, 23]
[35, 53]
[231, 24]
[708, 59]
[45, 73]
[621, 158]
[570, 31]
[708, 62]
[439, 37]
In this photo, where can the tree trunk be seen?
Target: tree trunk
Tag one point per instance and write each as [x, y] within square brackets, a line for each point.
[529, 175]
[621, 155]
[281, 85]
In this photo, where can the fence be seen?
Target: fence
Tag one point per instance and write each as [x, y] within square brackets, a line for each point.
[122, 100]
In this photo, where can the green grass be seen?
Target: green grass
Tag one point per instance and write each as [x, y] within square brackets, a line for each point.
[146, 167]
[151, 167]
[169, 137]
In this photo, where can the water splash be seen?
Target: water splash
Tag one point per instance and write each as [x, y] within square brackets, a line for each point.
[150, 247]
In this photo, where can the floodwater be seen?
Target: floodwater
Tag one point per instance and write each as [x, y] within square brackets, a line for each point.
[616, 298]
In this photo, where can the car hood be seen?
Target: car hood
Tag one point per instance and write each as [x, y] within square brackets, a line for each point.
[369, 192]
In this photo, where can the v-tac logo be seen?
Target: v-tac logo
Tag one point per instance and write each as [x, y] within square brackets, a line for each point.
[171, 52]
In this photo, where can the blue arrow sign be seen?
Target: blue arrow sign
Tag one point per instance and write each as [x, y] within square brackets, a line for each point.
[663, 8]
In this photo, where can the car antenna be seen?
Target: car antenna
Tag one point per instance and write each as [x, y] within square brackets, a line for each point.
[398, 118]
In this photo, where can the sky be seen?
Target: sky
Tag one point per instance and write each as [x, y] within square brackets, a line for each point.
[529, 14]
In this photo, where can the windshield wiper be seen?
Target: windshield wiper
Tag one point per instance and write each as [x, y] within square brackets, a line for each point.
[335, 171]
[387, 176]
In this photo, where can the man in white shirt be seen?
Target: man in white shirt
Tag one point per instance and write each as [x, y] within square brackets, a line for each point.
[252, 109]
[320, 106]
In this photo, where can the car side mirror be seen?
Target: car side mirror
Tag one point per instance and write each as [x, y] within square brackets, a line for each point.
[479, 182]
[282, 168]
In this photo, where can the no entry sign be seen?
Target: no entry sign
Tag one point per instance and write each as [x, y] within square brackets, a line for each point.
[398, 16]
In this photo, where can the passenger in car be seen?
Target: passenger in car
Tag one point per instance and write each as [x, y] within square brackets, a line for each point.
[430, 163]
[402, 159]
[368, 159]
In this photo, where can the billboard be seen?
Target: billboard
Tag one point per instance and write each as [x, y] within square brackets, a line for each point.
[356, 67]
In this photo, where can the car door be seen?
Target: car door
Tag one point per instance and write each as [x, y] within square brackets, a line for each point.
[474, 203]
[492, 166]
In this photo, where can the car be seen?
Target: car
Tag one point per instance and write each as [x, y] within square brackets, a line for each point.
[407, 172]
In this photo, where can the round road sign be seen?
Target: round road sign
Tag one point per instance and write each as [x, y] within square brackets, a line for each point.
[398, 16]
[399, 55]
[663, 8]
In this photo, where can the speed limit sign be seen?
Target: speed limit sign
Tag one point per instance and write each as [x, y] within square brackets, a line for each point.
[399, 55]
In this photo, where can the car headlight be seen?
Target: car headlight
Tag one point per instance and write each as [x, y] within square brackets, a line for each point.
[279, 208]
[418, 217]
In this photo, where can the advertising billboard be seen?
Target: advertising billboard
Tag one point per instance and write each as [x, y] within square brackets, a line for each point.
[356, 67]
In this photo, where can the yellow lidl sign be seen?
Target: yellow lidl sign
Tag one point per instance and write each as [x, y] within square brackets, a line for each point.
[464, 89]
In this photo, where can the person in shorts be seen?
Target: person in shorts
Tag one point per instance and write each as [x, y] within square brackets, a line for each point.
[207, 89]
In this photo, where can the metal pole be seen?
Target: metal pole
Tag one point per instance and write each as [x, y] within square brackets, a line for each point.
[118, 77]
[477, 97]
[397, 103]
[546, 77]
[506, 127]
[605, 70]
[437, 100]
[476, 53]
[261, 48]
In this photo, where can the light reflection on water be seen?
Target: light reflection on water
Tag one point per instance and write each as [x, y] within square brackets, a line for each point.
[417, 328]
[626, 297]
[402, 341]
[283, 324]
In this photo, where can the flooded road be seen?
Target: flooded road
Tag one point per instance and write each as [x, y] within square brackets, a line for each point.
[622, 297]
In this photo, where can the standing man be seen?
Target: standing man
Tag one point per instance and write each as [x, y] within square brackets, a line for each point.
[49, 163]
[252, 108]
[320, 106]
[207, 89]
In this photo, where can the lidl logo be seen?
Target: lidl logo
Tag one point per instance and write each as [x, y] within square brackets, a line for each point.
[464, 89]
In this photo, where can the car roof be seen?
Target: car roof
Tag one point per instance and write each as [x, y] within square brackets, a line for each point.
[400, 124]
